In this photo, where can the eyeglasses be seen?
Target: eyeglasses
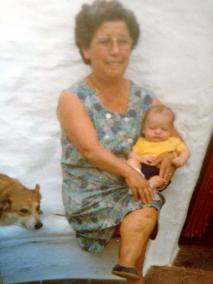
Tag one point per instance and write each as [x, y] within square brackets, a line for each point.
[123, 43]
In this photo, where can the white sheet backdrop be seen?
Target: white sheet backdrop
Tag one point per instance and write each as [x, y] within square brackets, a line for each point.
[38, 59]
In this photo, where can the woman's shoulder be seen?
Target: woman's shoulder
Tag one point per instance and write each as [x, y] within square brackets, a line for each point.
[78, 88]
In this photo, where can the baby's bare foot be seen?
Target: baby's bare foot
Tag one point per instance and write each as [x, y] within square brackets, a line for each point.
[156, 182]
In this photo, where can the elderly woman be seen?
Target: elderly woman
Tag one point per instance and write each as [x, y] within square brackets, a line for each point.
[100, 118]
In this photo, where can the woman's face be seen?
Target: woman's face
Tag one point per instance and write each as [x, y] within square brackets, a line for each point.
[110, 49]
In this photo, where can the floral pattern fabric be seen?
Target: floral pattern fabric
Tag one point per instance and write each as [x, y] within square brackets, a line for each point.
[96, 201]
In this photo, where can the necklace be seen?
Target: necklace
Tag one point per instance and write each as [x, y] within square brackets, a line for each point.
[115, 103]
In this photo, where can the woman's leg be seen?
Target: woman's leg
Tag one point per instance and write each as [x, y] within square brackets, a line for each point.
[135, 231]
[139, 265]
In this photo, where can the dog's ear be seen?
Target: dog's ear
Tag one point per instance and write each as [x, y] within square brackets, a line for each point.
[37, 188]
[37, 191]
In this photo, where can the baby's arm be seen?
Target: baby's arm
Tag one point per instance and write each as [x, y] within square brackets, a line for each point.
[181, 159]
[141, 159]
[147, 159]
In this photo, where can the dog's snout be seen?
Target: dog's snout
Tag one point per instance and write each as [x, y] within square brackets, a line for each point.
[38, 225]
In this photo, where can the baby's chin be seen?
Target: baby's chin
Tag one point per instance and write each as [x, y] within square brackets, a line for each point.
[156, 139]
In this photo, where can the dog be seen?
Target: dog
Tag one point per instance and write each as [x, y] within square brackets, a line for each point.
[18, 204]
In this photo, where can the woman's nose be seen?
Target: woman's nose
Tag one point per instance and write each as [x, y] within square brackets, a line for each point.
[114, 46]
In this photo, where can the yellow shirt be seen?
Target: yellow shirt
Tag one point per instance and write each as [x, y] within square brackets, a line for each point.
[144, 147]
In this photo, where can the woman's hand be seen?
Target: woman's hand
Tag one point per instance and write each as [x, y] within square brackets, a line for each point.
[167, 168]
[139, 186]
[178, 162]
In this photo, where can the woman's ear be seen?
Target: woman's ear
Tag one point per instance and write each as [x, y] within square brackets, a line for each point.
[86, 53]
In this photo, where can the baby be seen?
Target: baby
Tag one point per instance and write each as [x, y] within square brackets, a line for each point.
[157, 130]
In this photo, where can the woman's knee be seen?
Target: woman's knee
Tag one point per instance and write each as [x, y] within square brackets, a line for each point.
[142, 220]
[148, 217]
[150, 214]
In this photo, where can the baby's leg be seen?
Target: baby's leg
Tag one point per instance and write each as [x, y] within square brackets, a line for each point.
[156, 182]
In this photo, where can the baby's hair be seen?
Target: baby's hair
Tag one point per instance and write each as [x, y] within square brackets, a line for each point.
[158, 109]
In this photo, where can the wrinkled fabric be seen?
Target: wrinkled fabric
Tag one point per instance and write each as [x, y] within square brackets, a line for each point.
[96, 201]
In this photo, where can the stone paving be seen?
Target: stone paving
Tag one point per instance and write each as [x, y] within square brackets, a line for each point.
[193, 265]
[178, 275]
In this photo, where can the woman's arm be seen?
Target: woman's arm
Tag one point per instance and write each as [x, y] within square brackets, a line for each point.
[79, 129]
[134, 160]
[182, 158]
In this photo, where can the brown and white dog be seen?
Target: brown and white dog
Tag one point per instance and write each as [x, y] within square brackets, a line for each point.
[18, 204]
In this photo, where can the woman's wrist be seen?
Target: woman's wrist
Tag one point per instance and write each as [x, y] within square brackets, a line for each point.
[128, 170]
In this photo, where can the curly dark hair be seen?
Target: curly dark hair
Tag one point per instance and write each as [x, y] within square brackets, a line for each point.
[91, 16]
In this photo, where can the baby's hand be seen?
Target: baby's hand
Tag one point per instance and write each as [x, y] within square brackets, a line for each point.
[147, 159]
[178, 162]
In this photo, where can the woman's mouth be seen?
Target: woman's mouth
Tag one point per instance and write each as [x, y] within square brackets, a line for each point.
[114, 64]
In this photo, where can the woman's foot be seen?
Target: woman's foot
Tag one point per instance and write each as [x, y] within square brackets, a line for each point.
[126, 272]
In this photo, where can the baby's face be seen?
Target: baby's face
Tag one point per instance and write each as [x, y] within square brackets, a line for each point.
[158, 127]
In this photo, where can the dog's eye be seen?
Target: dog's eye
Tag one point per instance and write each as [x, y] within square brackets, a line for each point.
[38, 208]
[24, 211]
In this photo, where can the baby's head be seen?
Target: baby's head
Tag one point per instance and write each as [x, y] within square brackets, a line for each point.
[158, 123]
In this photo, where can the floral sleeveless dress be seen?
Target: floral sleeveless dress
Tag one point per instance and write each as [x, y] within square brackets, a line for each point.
[96, 201]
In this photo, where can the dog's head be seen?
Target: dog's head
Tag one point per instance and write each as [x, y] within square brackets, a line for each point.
[21, 205]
